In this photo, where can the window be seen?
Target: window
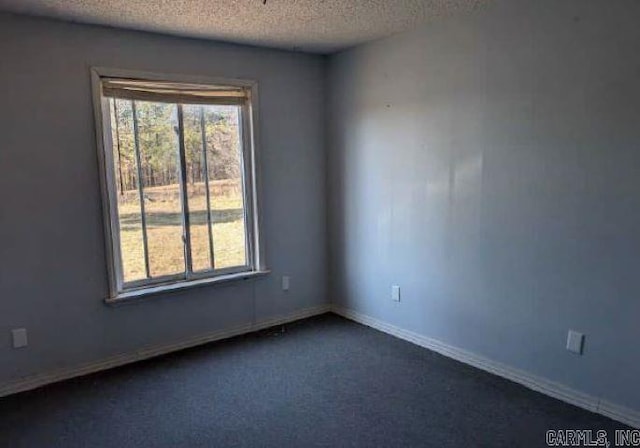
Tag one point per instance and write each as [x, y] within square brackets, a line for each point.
[178, 166]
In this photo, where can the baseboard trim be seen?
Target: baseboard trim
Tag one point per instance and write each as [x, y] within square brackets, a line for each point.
[620, 413]
[39, 380]
[553, 389]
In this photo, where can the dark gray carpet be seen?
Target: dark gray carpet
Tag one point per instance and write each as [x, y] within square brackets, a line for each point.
[324, 381]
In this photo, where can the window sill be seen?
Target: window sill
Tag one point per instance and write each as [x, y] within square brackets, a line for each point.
[147, 292]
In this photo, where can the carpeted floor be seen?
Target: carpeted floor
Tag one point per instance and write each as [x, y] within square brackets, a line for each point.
[323, 381]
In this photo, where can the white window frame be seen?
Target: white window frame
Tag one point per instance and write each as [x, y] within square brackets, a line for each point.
[118, 289]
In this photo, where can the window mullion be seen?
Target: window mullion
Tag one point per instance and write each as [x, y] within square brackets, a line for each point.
[143, 216]
[206, 186]
[186, 235]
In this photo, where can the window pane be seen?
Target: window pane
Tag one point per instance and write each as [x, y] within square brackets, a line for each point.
[225, 185]
[126, 179]
[200, 232]
[150, 185]
[158, 141]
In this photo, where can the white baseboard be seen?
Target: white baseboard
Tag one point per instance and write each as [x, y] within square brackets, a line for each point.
[620, 413]
[561, 392]
[617, 412]
[34, 381]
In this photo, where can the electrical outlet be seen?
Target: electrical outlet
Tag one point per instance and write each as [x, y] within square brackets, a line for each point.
[286, 282]
[19, 336]
[575, 342]
[395, 293]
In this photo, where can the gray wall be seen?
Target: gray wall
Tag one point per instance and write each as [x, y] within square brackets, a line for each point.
[52, 261]
[490, 166]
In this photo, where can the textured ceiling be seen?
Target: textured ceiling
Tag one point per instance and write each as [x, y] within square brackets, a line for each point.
[321, 26]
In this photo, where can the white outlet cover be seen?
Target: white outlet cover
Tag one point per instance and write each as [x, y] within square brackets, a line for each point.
[19, 336]
[286, 282]
[575, 342]
[395, 293]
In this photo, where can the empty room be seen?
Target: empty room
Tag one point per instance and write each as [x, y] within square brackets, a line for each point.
[298, 223]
